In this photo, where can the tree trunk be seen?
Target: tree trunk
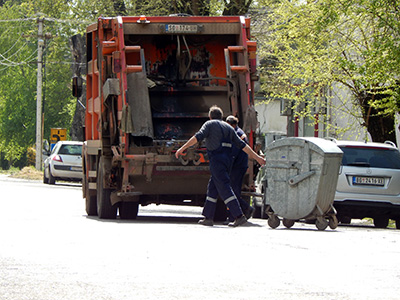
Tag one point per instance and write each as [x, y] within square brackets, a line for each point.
[236, 7]
[380, 126]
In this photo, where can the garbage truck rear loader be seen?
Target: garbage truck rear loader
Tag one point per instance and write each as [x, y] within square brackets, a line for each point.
[150, 82]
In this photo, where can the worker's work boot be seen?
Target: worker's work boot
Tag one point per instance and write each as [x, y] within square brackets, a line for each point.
[239, 221]
[206, 222]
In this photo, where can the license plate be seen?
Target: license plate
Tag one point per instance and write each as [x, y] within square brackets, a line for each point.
[181, 28]
[76, 169]
[377, 181]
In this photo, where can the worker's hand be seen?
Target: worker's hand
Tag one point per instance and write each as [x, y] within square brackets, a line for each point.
[261, 160]
[179, 152]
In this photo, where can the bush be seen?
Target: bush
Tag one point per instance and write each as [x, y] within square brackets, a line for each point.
[31, 156]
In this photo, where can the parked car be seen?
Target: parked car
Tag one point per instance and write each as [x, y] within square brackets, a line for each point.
[369, 183]
[64, 162]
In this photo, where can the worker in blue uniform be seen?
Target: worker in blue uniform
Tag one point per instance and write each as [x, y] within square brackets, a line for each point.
[240, 165]
[219, 137]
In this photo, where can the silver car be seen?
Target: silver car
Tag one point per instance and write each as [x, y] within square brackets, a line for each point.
[369, 183]
[64, 162]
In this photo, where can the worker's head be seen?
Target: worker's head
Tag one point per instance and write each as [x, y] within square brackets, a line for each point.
[232, 120]
[215, 113]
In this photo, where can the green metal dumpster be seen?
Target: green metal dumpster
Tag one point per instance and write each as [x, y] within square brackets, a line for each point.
[302, 175]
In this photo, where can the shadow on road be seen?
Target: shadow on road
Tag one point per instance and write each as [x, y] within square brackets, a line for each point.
[152, 219]
[68, 184]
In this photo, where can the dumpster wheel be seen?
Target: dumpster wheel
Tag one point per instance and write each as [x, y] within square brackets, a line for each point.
[333, 222]
[288, 223]
[321, 223]
[273, 221]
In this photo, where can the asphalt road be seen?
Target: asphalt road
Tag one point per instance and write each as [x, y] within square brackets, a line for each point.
[50, 250]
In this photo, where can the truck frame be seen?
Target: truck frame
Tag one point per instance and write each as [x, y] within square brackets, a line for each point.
[149, 85]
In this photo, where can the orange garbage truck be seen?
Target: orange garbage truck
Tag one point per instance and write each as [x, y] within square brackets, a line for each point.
[149, 85]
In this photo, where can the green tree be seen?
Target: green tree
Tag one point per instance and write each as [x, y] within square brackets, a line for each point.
[309, 46]
[62, 19]
[18, 76]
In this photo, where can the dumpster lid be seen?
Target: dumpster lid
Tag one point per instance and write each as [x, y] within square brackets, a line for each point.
[318, 144]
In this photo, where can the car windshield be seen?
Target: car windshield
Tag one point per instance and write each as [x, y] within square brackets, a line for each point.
[373, 157]
[70, 150]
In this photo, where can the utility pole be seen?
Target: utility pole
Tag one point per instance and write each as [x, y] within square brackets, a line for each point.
[39, 139]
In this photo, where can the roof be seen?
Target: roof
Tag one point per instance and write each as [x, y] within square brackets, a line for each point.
[388, 144]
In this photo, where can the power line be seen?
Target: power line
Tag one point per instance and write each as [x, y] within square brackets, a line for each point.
[13, 63]
[66, 21]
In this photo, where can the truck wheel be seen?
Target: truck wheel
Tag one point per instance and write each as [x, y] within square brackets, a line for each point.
[52, 180]
[128, 210]
[397, 223]
[381, 222]
[91, 205]
[90, 200]
[104, 208]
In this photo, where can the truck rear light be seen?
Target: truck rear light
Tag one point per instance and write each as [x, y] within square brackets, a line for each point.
[57, 158]
[116, 64]
[143, 20]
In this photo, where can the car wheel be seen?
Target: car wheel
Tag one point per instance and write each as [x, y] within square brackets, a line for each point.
[52, 180]
[345, 220]
[397, 223]
[381, 222]
[128, 210]
[105, 210]
[257, 212]
[45, 178]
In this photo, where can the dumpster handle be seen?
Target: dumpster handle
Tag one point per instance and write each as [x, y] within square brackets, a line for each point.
[296, 179]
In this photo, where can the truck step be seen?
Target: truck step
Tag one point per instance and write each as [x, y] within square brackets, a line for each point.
[134, 69]
[132, 48]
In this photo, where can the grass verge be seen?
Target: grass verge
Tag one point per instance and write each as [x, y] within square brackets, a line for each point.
[25, 173]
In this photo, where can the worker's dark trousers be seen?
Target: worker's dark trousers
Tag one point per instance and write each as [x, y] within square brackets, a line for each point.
[219, 184]
[236, 177]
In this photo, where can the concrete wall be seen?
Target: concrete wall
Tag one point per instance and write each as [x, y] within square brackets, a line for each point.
[269, 117]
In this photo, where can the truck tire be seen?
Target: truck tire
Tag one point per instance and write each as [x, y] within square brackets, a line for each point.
[91, 205]
[128, 210]
[105, 210]
[90, 200]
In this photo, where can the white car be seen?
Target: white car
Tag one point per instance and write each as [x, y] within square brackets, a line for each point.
[64, 162]
[369, 183]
